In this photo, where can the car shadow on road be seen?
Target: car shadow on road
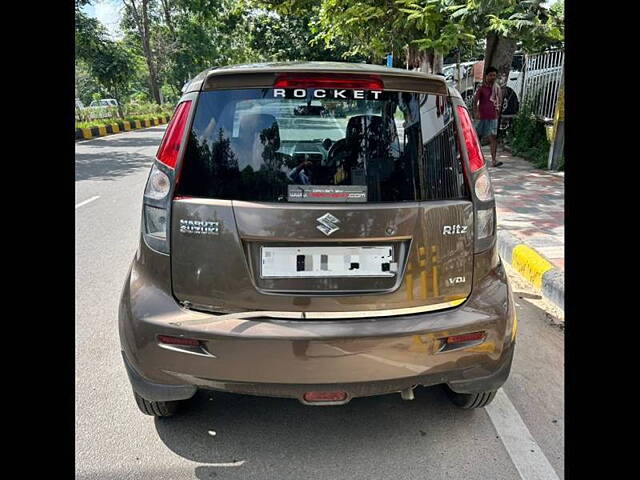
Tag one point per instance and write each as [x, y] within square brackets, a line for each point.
[101, 166]
[151, 138]
[271, 434]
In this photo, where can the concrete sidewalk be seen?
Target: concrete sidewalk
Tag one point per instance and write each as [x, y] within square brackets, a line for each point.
[530, 210]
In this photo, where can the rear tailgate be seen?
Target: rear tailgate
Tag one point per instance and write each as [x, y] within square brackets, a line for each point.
[377, 219]
[222, 271]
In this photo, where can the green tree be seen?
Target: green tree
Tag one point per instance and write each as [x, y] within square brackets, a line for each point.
[507, 24]
[111, 66]
[279, 37]
[141, 15]
[417, 32]
[90, 34]
[86, 84]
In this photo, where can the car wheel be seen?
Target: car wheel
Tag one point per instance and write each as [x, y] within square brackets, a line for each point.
[470, 400]
[157, 409]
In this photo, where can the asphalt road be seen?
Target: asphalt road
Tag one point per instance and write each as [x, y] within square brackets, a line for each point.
[520, 435]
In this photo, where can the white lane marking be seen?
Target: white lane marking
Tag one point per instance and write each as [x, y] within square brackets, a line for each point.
[524, 451]
[228, 464]
[87, 201]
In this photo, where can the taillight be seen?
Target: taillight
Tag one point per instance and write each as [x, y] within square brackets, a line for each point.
[480, 181]
[476, 159]
[158, 185]
[156, 211]
[155, 222]
[485, 223]
[170, 145]
[305, 80]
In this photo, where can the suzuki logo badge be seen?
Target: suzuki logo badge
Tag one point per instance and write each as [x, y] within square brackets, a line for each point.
[328, 224]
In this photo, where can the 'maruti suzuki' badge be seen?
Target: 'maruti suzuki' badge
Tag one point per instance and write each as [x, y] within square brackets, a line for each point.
[328, 224]
[199, 227]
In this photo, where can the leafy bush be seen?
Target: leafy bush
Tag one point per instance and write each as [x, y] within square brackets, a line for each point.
[146, 108]
[527, 138]
[108, 121]
[96, 116]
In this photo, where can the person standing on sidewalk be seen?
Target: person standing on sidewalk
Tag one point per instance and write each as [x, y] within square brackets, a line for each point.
[486, 107]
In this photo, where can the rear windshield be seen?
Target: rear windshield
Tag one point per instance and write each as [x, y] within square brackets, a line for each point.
[322, 145]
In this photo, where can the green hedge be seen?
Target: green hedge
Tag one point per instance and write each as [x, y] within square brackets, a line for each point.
[108, 121]
[527, 138]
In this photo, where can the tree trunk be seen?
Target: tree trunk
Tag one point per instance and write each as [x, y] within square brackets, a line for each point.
[437, 63]
[167, 17]
[499, 54]
[141, 17]
[423, 60]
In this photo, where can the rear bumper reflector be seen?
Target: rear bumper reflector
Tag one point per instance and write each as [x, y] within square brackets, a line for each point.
[325, 397]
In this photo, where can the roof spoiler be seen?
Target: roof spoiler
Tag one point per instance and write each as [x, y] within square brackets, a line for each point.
[236, 79]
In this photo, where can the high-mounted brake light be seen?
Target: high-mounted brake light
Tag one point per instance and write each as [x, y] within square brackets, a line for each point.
[476, 159]
[170, 145]
[357, 82]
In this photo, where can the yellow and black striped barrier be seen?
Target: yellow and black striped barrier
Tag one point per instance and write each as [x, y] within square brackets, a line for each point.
[117, 127]
[532, 266]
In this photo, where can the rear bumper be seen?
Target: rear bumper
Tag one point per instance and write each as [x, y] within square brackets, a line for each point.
[286, 358]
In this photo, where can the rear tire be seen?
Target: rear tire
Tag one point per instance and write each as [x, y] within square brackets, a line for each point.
[157, 409]
[470, 400]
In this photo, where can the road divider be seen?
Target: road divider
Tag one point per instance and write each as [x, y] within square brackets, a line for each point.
[537, 270]
[118, 127]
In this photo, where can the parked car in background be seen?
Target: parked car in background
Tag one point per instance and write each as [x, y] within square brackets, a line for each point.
[103, 108]
[461, 80]
[104, 102]
[317, 255]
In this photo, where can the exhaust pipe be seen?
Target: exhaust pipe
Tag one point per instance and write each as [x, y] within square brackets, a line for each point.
[407, 394]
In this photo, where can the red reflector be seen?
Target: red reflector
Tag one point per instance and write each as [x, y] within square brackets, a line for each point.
[467, 337]
[189, 342]
[170, 145]
[324, 396]
[476, 159]
[358, 82]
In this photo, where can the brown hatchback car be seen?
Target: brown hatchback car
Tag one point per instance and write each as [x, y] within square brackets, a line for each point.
[319, 231]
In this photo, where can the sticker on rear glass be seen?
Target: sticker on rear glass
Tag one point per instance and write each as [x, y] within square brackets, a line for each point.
[329, 93]
[327, 193]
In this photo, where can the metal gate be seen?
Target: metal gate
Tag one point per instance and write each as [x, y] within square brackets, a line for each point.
[542, 78]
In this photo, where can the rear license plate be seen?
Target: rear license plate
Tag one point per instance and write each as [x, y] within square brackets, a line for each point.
[293, 262]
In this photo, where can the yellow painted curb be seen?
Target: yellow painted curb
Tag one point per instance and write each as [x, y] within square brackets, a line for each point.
[86, 133]
[529, 264]
[138, 124]
[154, 121]
[127, 126]
[102, 130]
[115, 128]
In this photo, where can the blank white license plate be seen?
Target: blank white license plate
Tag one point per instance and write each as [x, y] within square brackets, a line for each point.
[292, 262]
